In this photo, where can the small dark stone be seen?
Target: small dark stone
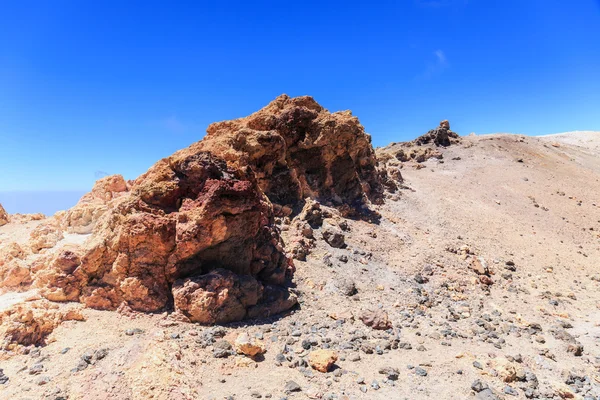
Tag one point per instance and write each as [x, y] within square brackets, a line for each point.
[222, 349]
[291, 386]
[508, 390]
[479, 386]
[390, 372]
[420, 371]
[80, 366]
[135, 331]
[100, 354]
[36, 369]
[3, 378]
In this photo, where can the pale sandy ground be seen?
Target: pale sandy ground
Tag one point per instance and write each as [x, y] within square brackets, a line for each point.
[484, 200]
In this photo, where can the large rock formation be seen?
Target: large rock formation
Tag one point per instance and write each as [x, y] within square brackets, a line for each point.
[299, 150]
[191, 231]
[3, 216]
[196, 232]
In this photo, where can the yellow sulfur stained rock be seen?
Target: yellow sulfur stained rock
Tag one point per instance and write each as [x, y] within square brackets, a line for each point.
[322, 360]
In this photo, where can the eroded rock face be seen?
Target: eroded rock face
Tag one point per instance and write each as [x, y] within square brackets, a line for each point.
[82, 218]
[3, 216]
[190, 224]
[196, 232]
[300, 150]
[30, 323]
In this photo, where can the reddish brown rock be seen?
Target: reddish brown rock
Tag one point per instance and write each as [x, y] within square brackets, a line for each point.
[300, 150]
[30, 323]
[377, 319]
[196, 232]
[190, 223]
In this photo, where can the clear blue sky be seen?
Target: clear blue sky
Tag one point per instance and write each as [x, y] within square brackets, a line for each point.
[88, 87]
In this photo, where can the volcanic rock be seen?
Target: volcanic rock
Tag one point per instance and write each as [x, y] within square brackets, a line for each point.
[300, 150]
[322, 360]
[440, 136]
[30, 323]
[377, 319]
[191, 223]
[249, 347]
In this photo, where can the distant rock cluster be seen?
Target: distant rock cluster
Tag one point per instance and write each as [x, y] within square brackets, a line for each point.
[440, 136]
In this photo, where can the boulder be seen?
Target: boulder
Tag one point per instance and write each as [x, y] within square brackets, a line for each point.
[334, 237]
[191, 232]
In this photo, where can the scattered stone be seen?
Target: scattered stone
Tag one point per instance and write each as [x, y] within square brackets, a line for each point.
[249, 347]
[36, 369]
[222, 349]
[390, 372]
[334, 238]
[322, 360]
[100, 354]
[291, 386]
[478, 386]
[377, 319]
[3, 378]
[346, 286]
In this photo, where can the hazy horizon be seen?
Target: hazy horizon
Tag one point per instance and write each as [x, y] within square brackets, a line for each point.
[47, 202]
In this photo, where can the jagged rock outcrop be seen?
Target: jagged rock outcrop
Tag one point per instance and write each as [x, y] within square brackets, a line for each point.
[82, 217]
[191, 224]
[440, 136]
[14, 271]
[419, 150]
[196, 233]
[30, 323]
[4, 219]
[300, 150]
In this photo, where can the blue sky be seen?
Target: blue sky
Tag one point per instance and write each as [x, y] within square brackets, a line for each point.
[88, 88]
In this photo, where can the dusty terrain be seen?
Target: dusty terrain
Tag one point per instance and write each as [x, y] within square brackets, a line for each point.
[480, 279]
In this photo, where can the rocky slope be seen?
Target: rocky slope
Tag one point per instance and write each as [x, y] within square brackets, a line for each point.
[479, 278]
